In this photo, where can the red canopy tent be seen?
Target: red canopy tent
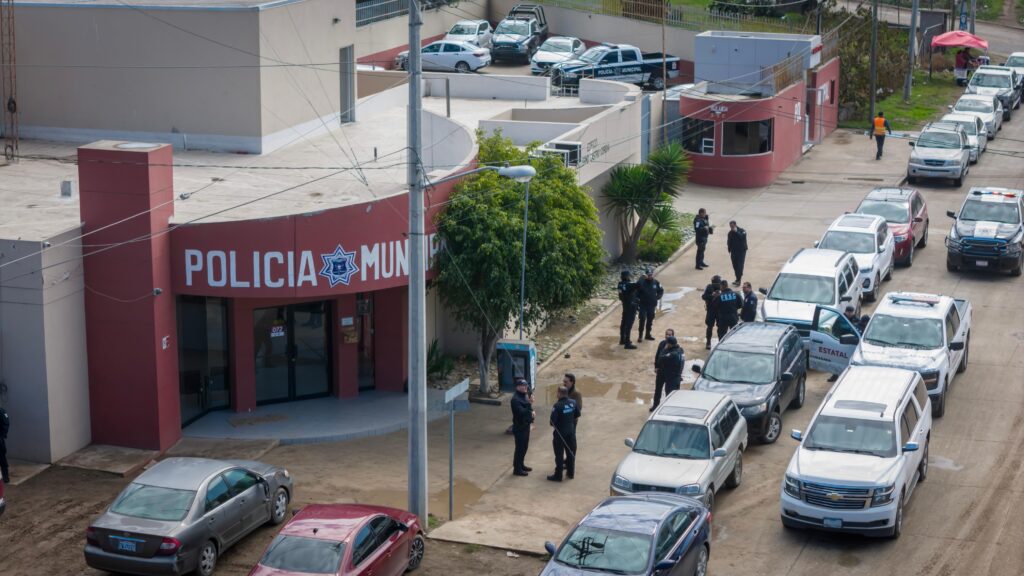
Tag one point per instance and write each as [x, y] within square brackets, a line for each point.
[959, 39]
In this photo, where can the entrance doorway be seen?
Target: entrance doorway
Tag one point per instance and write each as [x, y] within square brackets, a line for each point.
[292, 352]
[347, 67]
[202, 356]
[364, 327]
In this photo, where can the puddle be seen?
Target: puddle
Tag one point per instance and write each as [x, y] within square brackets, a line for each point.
[667, 300]
[631, 393]
[466, 494]
[943, 463]
[848, 560]
[589, 386]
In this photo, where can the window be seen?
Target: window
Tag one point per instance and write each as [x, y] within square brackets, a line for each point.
[452, 48]
[729, 419]
[843, 285]
[850, 273]
[153, 502]
[725, 424]
[831, 91]
[610, 58]
[917, 203]
[216, 493]
[880, 237]
[385, 527]
[950, 328]
[482, 29]
[364, 544]
[698, 136]
[628, 56]
[746, 138]
[431, 49]
[239, 481]
[854, 267]
[921, 393]
[954, 314]
[671, 531]
[716, 435]
[911, 416]
[791, 347]
[904, 428]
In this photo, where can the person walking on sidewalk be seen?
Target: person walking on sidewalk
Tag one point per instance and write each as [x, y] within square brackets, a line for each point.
[650, 292]
[630, 301]
[522, 419]
[5, 427]
[736, 242]
[659, 376]
[710, 291]
[879, 126]
[749, 312]
[701, 230]
[563, 439]
[670, 364]
[727, 305]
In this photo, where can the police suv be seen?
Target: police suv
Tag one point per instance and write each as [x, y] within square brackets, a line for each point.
[988, 233]
[620, 62]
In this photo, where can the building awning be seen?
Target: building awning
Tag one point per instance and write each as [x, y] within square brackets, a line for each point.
[959, 39]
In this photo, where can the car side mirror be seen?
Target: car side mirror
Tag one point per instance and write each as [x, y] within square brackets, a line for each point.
[720, 453]
[918, 220]
[796, 434]
[950, 106]
[911, 144]
[402, 527]
[696, 368]
[956, 346]
[550, 548]
[666, 564]
[816, 243]
[910, 447]
[848, 340]
[951, 214]
[629, 442]
[763, 291]
[787, 376]
[846, 299]
[881, 249]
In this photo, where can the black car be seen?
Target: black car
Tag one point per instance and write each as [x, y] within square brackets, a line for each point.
[762, 366]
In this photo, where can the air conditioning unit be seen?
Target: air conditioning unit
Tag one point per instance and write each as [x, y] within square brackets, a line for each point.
[574, 149]
[563, 154]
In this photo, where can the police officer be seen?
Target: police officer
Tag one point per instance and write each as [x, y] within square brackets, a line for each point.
[727, 305]
[650, 291]
[659, 377]
[522, 419]
[701, 230]
[670, 364]
[736, 242]
[5, 426]
[749, 313]
[710, 291]
[563, 419]
[863, 324]
[630, 301]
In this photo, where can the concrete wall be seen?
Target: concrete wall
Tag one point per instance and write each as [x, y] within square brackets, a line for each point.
[448, 144]
[733, 63]
[378, 43]
[523, 133]
[487, 86]
[372, 82]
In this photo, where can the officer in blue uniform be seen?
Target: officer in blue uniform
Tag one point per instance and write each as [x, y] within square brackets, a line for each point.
[522, 420]
[630, 301]
[710, 291]
[563, 419]
[749, 313]
[727, 306]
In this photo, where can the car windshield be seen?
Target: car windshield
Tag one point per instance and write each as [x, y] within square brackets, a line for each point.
[594, 55]
[1015, 61]
[800, 288]
[969, 126]
[153, 502]
[673, 440]
[604, 550]
[983, 80]
[562, 46]
[936, 139]
[740, 367]
[306, 555]
[895, 212]
[856, 242]
[463, 30]
[841, 434]
[972, 105]
[886, 330]
[978, 210]
[513, 27]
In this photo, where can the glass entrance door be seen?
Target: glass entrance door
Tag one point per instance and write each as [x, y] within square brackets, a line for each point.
[364, 326]
[202, 356]
[292, 352]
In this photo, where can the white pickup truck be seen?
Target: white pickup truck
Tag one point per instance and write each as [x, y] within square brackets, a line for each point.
[924, 332]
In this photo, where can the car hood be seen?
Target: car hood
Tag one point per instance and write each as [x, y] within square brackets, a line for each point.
[865, 260]
[784, 310]
[983, 91]
[659, 471]
[509, 38]
[545, 57]
[572, 63]
[471, 38]
[909, 358]
[742, 394]
[986, 117]
[119, 523]
[555, 569]
[936, 153]
[987, 230]
[843, 468]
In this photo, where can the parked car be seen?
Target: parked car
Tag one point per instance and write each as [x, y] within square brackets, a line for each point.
[941, 151]
[762, 367]
[520, 34]
[812, 276]
[183, 513]
[620, 62]
[554, 50]
[977, 137]
[444, 56]
[476, 32]
[987, 232]
[867, 237]
[646, 534]
[988, 108]
[1016, 61]
[906, 214]
[691, 445]
[865, 451]
[345, 539]
[999, 81]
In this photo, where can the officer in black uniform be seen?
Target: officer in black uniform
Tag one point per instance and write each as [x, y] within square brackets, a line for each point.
[749, 313]
[659, 376]
[702, 229]
[736, 242]
[650, 292]
[670, 364]
[563, 419]
[630, 301]
[710, 291]
[727, 306]
[522, 419]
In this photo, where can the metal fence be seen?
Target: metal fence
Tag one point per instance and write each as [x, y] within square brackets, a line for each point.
[372, 11]
[688, 17]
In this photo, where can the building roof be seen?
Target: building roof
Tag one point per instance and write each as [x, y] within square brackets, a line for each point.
[210, 5]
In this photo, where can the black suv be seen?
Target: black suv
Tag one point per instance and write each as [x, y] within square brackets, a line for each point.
[762, 366]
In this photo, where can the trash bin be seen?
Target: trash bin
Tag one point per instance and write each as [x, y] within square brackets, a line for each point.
[516, 359]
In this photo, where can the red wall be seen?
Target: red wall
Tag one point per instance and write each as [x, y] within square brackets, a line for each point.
[824, 76]
[386, 58]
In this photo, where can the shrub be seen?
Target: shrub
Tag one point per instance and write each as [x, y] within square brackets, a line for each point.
[658, 247]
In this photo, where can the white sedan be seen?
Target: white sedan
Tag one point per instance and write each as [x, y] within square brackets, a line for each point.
[554, 50]
[446, 56]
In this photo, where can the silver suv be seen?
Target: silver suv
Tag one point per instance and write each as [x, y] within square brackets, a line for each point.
[692, 445]
[942, 150]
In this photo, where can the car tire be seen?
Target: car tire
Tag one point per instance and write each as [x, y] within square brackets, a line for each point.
[922, 468]
[1020, 264]
[959, 181]
[888, 273]
[911, 179]
[873, 295]
[417, 548]
[924, 237]
[801, 392]
[207, 562]
[710, 499]
[462, 67]
[910, 256]
[962, 367]
[773, 429]
[939, 407]
[736, 476]
[702, 561]
[657, 82]
[279, 506]
[897, 525]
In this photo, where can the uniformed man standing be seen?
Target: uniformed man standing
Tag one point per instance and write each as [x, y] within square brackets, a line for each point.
[727, 306]
[522, 419]
[702, 229]
[670, 364]
[630, 301]
[736, 242]
[710, 291]
[563, 419]
[659, 376]
[749, 313]
[650, 291]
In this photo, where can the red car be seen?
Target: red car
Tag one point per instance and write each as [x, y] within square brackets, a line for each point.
[906, 213]
[345, 539]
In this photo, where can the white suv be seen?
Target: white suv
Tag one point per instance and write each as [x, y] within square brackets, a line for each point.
[942, 150]
[811, 277]
[692, 445]
[867, 237]
[864, 453]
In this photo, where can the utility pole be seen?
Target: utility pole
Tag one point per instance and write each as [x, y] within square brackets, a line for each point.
[874, 55]
[912, 51]
[417, 282]
[974, 12]
[817, 29]
[664, 76]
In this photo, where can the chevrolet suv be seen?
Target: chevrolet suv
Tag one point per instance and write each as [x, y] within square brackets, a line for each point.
[942, 150]
[691, 445]
[865, 451]
[988, 233]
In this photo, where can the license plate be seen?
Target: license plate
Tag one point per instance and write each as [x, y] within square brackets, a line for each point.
[833, 523]
[126, 546]
[981, 263]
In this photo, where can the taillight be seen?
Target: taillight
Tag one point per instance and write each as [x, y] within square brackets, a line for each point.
[90, 536]
[708, 517]
[168, 546]
[479, 53]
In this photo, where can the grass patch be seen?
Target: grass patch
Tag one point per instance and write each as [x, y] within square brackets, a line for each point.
[990, 9]
[697, 3]
[928, 101]
[471, 548]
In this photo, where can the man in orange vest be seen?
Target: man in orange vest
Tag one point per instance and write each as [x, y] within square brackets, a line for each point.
[878, 129]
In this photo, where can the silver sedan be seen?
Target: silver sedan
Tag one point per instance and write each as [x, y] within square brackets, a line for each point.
[182, 514]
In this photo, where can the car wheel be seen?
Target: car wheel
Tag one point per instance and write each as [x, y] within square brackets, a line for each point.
[801, 392]
[709, 500]
[911, 179]
[873, 295]
[897, 525]
[461, 67]
[963, 359]
[1020, 264]
[736, 476]
[924, 237]
[939, 406]
[658, 83]
[702, 562]
[416, 549]
[959, 181]
[207, 559]
[280, 510]
[922, 469]
[888, 273]
[910, 255]
[773, 428]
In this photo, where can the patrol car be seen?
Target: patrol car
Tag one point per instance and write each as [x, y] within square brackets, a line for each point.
[811, 277]
[867, 237]
[988, 232]
[620, 62]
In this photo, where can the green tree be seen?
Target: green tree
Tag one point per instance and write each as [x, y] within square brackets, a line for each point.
[481, 230]
[634, 193]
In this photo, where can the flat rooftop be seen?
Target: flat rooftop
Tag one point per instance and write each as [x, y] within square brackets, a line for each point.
[32, 208]
[216, 5]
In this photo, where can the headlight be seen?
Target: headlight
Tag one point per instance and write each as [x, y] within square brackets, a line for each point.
[284, 473]
[931, 379]
[899, 237]
[755, 409]
[689, 490]
[569, 74]
[792, 487]
[883, 496]
[867, 269]
[1013, 248]
[621, 483]
[522, 47]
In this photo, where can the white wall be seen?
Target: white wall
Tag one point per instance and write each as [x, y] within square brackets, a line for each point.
[388, 34]
[607, 91]
[447, 144]
[488, 86]
[523, 133]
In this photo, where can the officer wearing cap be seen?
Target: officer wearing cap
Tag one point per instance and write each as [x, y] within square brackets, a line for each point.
[563, 439]
[650, 292]
[522, 419]
[630, 301]
[710, 291]
[669, 366]
[727, 305]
